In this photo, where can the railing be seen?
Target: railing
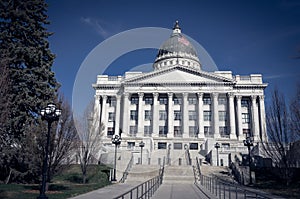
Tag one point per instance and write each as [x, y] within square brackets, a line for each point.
[125, 174]
[144, 190]
[225, 190]
[188, 157]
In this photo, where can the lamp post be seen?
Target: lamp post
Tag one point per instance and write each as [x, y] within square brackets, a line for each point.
[141, 144]
[50, 114]
[116, 140]
[217, 146]
[249, 142]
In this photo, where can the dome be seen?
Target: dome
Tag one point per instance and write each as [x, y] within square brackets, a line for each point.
[177, 50]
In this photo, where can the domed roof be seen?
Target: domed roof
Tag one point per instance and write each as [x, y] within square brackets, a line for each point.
[177, 43]
[176, 47]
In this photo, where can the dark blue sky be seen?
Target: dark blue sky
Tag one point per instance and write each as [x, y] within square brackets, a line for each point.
[242, 36]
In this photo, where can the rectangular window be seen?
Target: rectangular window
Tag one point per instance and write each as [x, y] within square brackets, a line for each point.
[245, 118]
[163, 100]
[177, 131]
[134, 100]
[192, 100]
[162, 115]
[177, 100]
[132, 131]
[163, 131]
[110, 132]
[147, 131]
[111, 116]
[193, 131]
[133, 115]
[130, 145]
[222, 116]
[223, 131]
[207, 115]
[148, 115]
[148, 100]
[112, 101]
[193, 146]
[222, 100]
[245, 103]
[177, 146]
[207, 131]
[162, 145]
[192, 115]
[206, 100]
[177, 115]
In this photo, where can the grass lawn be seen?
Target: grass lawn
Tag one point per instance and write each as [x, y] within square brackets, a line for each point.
[65, 184]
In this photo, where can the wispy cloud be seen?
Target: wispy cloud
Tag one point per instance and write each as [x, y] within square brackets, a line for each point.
[280, 76]
[103, 28]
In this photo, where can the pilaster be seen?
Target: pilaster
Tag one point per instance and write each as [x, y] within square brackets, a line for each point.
[170, 116]
[140, 116]
[215, 115]
[155, 115]
[200, 115]
[185, 123]
[239, 116]
[232, 128]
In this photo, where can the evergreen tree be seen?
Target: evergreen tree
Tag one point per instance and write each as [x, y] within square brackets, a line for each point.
[28, 60]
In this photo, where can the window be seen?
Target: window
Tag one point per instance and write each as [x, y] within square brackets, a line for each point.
[177, 100]
[193, 146]
[163, 131]
[148, 115]
[192, 100]
[192, 115]
[206, 100]
[222, 116]
[132, 131]
[245, 103]
[163, 115]
[111, 116]
[246, 132]
[130, 145]
[148, 100]
[177, 146]
[177, 115]
[112, 101]
[163, 100]
[222, 100]
[207, 115]
[207, 131]
[223, 131]
[110, 132]
[162, 145]
[225, 145]
[177, 131]
[147, 131]
[133, 115]
[134, 100]
[245, 118]
[193, 131]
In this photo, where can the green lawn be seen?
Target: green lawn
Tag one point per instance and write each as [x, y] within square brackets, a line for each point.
[64, 185]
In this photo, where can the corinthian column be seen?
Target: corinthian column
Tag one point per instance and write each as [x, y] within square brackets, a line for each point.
[104, 113]
[232, 129]
[125, 122]
[117, 114]
[215, 115]
[185, 124]
[254, 119]
[200, 115]
[140, 116]
[239, 116]
[155, 116]
[262, 118]
[170, 116]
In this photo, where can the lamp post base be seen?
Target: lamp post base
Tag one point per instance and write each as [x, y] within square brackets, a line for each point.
[42, 197]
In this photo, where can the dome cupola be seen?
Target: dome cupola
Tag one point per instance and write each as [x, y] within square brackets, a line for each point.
[177, 50]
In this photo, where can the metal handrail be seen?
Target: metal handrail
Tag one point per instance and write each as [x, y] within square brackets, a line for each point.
[146, 189]
[125, 173]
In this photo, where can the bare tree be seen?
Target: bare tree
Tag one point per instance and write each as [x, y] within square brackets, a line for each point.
[63, 140]
[280, 135]
[90, 133]
[295, 114]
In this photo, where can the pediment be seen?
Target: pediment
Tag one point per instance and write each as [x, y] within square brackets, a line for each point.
[178, 75]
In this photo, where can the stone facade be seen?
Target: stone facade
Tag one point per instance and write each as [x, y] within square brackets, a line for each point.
[180, 111]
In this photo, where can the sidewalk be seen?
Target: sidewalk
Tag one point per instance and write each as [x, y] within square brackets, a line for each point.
[108, 192]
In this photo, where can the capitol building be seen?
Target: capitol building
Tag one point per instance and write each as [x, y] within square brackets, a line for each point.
[178, 110]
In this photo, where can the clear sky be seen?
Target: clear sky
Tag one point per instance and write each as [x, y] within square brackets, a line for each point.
[257, 36]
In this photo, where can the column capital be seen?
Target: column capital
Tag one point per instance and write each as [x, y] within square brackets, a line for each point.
[214, 95]
[253, 97]
[230, 95]
[170, 95]
[238, 97]
[141, 94]
[97, 97]
[126, 94]
[185, 95]
[155, 94]
[118, 96]
[104, 96]
[261, 97]
[200, 95]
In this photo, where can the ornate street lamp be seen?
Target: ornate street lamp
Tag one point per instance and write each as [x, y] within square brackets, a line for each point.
[141, 144]
[116, 140]
[249, 142]
[217, 146]
[50, 114]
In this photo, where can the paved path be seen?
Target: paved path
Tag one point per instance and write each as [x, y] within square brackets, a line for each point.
[108, 192]
[178, 191]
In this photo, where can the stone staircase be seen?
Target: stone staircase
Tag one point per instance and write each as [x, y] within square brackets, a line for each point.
[142, 173]
[178, 174]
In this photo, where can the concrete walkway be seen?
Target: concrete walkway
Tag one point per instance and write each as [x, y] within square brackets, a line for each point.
[108, 192]
[178, 191]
